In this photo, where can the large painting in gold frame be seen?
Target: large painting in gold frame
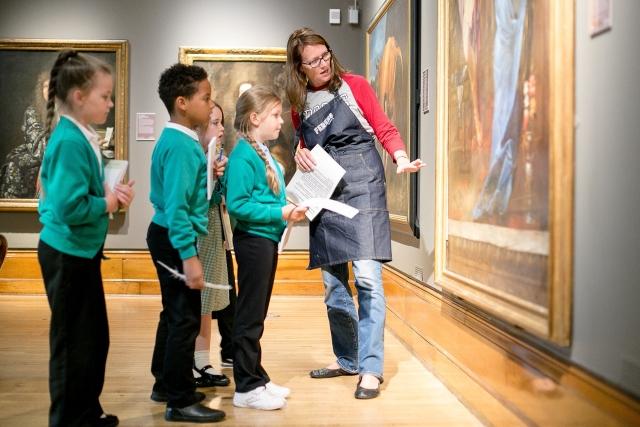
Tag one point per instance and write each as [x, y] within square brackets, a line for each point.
[390, 63]
[234, 69]
[25, 64]
[504, 208]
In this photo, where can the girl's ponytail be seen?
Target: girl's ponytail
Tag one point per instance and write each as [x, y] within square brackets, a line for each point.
[272, 175]
[53, 80]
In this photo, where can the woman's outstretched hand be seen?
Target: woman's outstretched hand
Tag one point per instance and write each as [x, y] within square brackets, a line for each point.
[304, 160]
[404, 166]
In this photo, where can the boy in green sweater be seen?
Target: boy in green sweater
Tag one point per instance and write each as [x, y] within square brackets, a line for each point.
[178, 195]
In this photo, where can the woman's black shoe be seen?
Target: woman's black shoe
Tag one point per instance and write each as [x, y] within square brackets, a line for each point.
[367, 393]
[210, 380]
[329, 373]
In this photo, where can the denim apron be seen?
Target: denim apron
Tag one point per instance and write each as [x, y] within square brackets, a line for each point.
[335, 239]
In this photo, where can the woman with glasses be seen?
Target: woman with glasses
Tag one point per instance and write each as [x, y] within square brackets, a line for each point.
[339, 111]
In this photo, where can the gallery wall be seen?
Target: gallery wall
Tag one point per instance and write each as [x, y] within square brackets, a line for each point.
[155, 29]
[606, 319]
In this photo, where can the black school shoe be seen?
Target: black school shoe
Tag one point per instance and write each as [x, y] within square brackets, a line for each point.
[106, 420]
[210, 380]
[196, 413]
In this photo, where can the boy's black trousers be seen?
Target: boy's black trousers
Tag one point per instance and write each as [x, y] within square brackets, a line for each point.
[178, 326]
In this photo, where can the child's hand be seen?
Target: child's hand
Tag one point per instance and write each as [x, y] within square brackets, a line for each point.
[111, 199]
[220, 165]
[193, 272]
[293, 213]
[125, 193]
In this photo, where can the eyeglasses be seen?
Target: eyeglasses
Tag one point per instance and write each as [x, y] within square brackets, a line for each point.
[326, 57]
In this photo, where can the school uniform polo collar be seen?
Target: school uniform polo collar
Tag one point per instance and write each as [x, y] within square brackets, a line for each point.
[183, 129]
[91, 135]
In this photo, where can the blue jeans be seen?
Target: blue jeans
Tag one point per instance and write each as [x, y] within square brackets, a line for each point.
[357, 338]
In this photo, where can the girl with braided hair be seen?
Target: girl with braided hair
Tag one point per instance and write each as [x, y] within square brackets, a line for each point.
[255, 194]
[74, 207]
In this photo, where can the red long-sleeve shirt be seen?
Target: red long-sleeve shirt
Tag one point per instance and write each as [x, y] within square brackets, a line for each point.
[368, 108]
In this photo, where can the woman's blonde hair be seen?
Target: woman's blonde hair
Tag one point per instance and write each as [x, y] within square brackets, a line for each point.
[296, 78]
[256, 100]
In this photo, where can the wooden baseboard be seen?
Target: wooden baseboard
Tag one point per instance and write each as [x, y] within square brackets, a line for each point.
[535, 387]
[132, 272]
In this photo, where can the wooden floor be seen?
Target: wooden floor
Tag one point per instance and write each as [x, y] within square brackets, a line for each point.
[296, 340]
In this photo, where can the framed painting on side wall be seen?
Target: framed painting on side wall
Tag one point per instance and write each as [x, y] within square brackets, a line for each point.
[231, 72]
[25, 65]
[504, 181]
[392, 55]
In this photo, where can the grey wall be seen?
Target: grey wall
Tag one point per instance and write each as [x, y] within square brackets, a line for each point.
[606, 292]
[606, 337]
[155, 29]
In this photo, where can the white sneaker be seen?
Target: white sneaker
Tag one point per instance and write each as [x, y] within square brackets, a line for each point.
[258, 398]
[277, 390]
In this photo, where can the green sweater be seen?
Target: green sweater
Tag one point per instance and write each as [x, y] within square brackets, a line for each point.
[250, 201]
[72, 206]
[179, 189]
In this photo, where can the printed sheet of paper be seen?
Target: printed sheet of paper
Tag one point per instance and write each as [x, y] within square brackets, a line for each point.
[114, 172]
[319, 183]
[211, 176]
[319, 204]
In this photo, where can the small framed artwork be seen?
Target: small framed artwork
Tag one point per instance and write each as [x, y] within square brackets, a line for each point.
[145, 126]
[600, 16]
[392, 58]
[25, 65]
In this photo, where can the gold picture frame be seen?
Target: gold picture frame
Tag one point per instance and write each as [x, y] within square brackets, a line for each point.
[390, 63]
[25, 64]
[232, 70]
[505, 167]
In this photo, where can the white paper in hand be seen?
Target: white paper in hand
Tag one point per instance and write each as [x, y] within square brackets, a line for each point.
[114, 172]
[108, 134]
[331, 205]
[321, 182]
[175, 273]
[211, 176]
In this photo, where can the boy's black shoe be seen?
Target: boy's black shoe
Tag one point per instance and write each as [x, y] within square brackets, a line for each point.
[106, 421]
[227, 362]
[195, 413]
[210, 380]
